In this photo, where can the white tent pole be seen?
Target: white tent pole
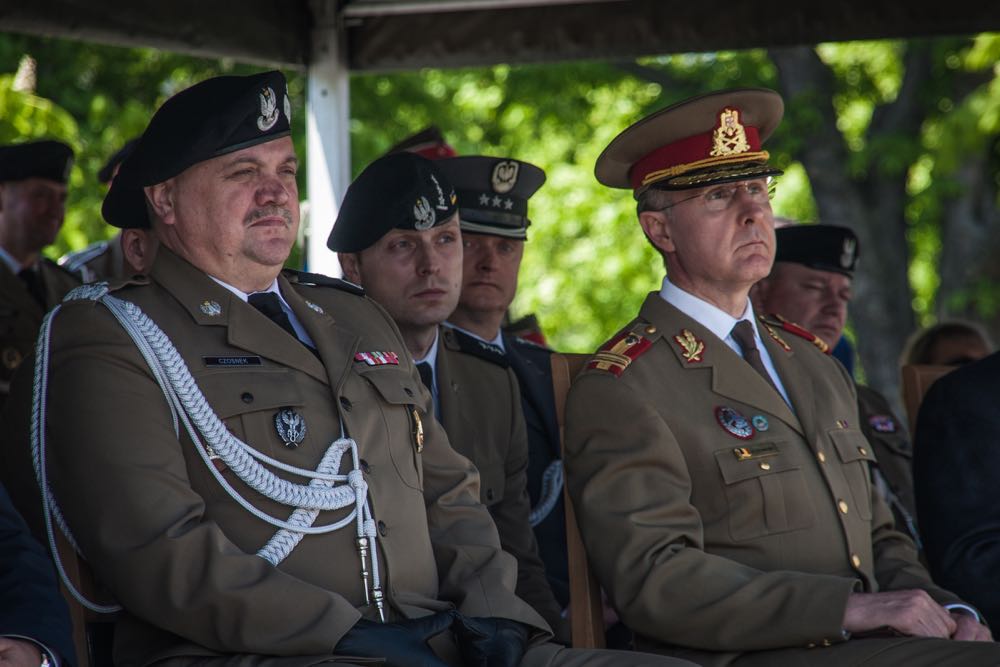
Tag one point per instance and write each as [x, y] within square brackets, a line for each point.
[327, 137]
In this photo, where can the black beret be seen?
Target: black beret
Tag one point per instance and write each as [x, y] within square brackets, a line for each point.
[428, 142]
[396, 191]
[209, 119]
[46, 159]
[493, 193]
[822, 247]
[107, 172]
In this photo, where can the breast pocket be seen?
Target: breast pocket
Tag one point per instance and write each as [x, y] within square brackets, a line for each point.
[766, 491]
[856, 458]
[402, 423]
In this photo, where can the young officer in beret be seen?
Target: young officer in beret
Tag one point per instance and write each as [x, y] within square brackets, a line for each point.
[810, 285]
[493, 198]
[397, 233]
[714, 459]
[257, 480]
[33, 179]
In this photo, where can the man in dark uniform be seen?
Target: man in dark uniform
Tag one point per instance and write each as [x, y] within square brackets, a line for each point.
[715, 463]
[493, 198]
[810, 285]
[34, 623]
[409, 260]
[246, 484]
[428, 143]
[33, 179]
[957, 455]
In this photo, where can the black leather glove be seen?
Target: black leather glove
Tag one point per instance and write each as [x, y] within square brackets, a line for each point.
[402, 644]
[490, 642]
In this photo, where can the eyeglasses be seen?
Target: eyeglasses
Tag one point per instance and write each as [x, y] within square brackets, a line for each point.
[721, 197]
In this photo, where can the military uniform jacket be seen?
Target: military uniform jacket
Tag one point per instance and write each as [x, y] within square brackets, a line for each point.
[893, 454]
[102, 260]
[532, 365]
[177, 552]
[21, 314]
[715, 516]
[481, 412]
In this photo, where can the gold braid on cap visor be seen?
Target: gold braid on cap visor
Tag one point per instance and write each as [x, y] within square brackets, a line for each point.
[680, 169]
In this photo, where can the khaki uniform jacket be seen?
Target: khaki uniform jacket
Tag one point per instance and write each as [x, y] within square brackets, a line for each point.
[710, 541]
[481, 412]
[177, 552]
[21, 315]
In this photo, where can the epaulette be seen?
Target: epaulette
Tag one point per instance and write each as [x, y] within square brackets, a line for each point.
[319, 280]
[75, 260]
[775, 320]
[618, 353]
[478, 348]
[61, 269]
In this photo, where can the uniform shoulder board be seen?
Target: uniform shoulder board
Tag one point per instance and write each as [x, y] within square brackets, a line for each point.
[74, 261]
[478, 348]
[775, 320]
[618, 353]
[319, 280]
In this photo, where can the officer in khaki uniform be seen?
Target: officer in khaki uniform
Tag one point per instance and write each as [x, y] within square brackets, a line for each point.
[715, 462]
[259, 479]
[409, 259]
[810, 285]
[33, 179]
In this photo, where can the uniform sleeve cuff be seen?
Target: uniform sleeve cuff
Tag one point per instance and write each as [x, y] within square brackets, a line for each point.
[958, 606]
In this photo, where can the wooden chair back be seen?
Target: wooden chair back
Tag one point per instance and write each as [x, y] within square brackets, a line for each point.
[917, 379]
[586, 610]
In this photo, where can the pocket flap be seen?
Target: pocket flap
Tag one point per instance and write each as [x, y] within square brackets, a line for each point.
[234, 392]
[851, 445]
[394, 384]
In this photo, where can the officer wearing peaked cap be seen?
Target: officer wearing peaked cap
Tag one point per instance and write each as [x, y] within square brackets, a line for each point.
[493, 194]
[715, 461]
[33, 178]
[810, 285]
[398, 235]
[254, 483]
[428, 143]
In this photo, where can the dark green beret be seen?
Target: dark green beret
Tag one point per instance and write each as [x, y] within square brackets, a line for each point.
[48, 159]
[823, 247]
[493, 193]
[396, 191]
[211, 118]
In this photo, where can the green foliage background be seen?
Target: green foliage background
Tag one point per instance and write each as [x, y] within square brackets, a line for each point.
[586, 267]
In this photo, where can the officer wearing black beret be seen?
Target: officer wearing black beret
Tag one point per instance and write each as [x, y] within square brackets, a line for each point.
[398, 235]
[493, 194]
[33, 178]
[810, 285]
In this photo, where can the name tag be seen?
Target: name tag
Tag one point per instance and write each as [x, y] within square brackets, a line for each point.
[232, 361]
[755, 452]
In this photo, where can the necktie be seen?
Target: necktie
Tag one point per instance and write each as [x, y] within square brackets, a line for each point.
[742, 333]
[427, 375]
[33, 282]
[270, 305]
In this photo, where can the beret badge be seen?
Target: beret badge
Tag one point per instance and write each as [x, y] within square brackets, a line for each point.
[423, 214]
[268, 109]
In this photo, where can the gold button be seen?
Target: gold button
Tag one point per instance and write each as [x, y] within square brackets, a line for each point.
[843, 506]
[765, 466]
[651, 329]
[856, 560]
[821, 456]
[863, 451]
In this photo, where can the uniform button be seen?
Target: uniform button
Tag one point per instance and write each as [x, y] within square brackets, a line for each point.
[246, 397]
[862, 451]
[489, 495]
[365, 468]
[842, 506]
[651, 329]
[407, 391]
[826, 642]
[821, 456]
[856, 560]
[765, 466]
[382, 530]
[345, 403]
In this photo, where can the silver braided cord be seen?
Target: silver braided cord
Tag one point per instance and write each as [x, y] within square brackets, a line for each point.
[189, 406]
[552, 486]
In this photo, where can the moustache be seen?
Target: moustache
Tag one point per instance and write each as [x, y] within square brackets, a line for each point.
[267, 212]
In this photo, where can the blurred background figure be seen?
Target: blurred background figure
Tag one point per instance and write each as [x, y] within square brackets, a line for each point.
[947, 343]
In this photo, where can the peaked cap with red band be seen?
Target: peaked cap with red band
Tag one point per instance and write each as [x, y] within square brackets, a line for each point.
[712, 138]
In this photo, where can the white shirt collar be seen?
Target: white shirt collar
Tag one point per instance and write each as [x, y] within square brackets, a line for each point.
[706, 314]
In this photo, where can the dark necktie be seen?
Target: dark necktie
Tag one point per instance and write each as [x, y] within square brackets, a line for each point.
[742, 333]
[427, 375]
[269, 304]
[33, 282]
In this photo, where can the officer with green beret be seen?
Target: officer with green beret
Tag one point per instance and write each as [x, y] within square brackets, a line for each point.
[33, 178]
